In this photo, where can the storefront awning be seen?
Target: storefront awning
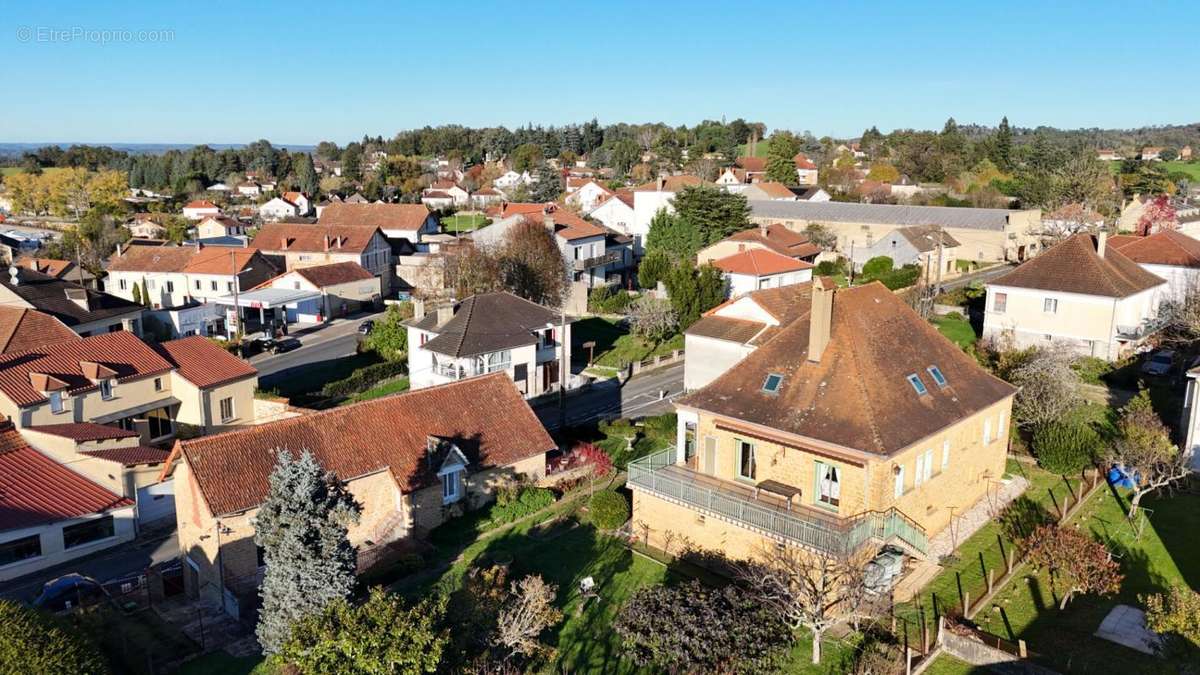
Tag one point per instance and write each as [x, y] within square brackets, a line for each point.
[269, 298]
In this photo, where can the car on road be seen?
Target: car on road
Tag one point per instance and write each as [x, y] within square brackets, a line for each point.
[366, 327]
[70, 591]
[286, 344]
[1159, 363]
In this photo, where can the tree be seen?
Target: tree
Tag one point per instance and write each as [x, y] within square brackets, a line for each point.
[1175, 616]
[302, 527]
[883, 172]
[877, 267]
[1144, 449]
[712, 212]
[1049, 387]
[782, 147]
[137, 293]
[1067, 220]
[146, 295]
[549, 185]
[1065, 447]
[1158, 215]
[381, 636]
[671, 237]
[805, 589]
[389, 337]
[526, 157]
[1076, 563]
[652, 319]
[35, 642]
[306, 176]
[1002, 146]
[693, 628]
[531, 265]
[529, 611]
[653, 268]
[693, 292]
[821, 235]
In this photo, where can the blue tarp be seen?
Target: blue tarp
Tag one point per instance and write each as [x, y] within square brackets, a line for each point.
[1118, 476]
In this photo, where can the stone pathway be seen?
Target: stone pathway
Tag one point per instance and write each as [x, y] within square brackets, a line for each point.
[966, 524]
[1126, 625]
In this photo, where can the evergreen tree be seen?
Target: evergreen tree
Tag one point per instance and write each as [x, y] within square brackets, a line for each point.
[549, 184]
[302, 529]
[306, 175]
[671, 236]
[145, 295]
[781, 151]
[1003, 146]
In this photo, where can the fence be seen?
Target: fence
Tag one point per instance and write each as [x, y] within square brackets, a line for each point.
[655, 362]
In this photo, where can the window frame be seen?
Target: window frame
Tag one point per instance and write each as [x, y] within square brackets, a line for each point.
[221, 409]
[834, 499]
[945, 454]
[58, 403]
[1050, 305]
[917, 384]
[16, 545]
[939, 378]
[90, 523]
[452, 486]
[740, 446]
[106, 388]
[778, 383]
[1000, 302]
[898, 481]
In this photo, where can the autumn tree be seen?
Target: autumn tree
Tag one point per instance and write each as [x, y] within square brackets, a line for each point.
[1158, 215]
[1049, 386]
[883, 172]
[526, 157]
[1144, 449]
[531, 265]
[1076, 563]
[1067, 220]
[1175, 616]
[528, 612]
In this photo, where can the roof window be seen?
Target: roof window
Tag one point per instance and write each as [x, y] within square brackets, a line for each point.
[936, 373]
[771, 384]
[917, 384]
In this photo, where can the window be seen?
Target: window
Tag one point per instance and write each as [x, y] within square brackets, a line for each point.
[928, 464]
[829, 488]
[158, 385]
[490, 363]
[898, 490]
[150, 283]
[170, 286]
[106, 389]
[450, 487]
[1000, 303]
[122, 284]
[226, 409]
[88, 532]
[936, 373]
[20, 549]
[945, 454]
[919, 475]
[213, 285]
[747, 467]
[987, 432]
[56, 402]
[197, 284]
[1000, 425]
[229, 286]
[771, 384]
[160, 423]
[917, 384]
[521, 372]
[1050, 306]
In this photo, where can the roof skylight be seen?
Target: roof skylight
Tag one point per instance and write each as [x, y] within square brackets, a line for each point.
[917, 384]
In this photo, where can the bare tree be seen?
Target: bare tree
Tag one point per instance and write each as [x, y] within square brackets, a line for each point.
[1144, 449]
[652, 318]
[805, 588]
[529, 611]
[1049, 386]
[1067, 220]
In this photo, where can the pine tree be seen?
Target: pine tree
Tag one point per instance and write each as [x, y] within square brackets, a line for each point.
[1002, 149]
[306, 176]
[302, 529]
[145, 295]
[781, 152]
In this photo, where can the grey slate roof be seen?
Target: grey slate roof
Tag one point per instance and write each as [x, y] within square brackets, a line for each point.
[49, 295]
[485, 323]
[946, 216]
[924, 238]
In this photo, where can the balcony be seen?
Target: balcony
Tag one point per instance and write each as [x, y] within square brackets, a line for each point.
[609, 258]
[746, 506]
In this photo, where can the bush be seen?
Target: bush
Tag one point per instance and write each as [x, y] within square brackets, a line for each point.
[828, 268]
[33, 642]
[1092, 369]
[516, 502]
[364, 378]
[608, 300]
[877, 267]
[1065, 447]
[609, 510]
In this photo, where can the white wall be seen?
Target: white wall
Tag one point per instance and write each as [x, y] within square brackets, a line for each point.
[53, 553]
[706, 358]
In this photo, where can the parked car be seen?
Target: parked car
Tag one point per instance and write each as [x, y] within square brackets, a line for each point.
[286, 344]
[70, 591]
[366, 327]
[1159, 363]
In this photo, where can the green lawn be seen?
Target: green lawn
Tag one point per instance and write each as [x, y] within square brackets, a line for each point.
[615, 346]
[1192, 169]
[1166, 554]
[305, 389]
[957, 328]
[948, 665]
[390, 387]
[221, 663]
[464, 222]
[760, 150]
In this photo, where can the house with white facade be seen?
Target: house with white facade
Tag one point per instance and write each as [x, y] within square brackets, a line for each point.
[650, 198]
[308, 245]
[806, 170]
[180, 276]
[345, 287]
[615, 212]
[756, 269]
[1168, 254]
[302, 202]
[1081, 294]
[220, 226]
[250, 189]
[277, 209]
[199, 209]
[510, 179]
[588, 194]
[488, 333]
[409, 223]
[458, 196]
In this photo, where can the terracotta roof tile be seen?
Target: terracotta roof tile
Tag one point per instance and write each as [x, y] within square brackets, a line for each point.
[84, 431]
[200, 204]
[35, 489]
[760, 262]
[311, 237]
[55, 297]
[1166, 247]
[132, 456]
[333, 274]
[724, 328]
[775, 190]
[486, 417]
[120, 351]
[382, 216]
[755, 164]
[1073, 266]
[780, 239]
[670, 184]
[22, 329]
[203, 363]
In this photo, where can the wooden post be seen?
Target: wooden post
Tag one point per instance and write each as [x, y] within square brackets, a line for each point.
[1009, 562]
[991, 579]
[1021, 651]
[966, 603]
[908, 660]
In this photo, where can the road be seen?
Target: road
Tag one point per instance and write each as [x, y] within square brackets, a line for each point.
[647, 394]
[119, 561]
[324, 343]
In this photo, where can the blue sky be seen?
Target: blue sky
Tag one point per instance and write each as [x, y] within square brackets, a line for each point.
[300, 72]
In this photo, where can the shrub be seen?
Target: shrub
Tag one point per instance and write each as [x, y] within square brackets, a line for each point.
[1065, 447]
[609, 510]
[828, 268]
[364, 378]
[1092, 369]
[33, 642]
[877, 267]
[516, 502]
[608, 300]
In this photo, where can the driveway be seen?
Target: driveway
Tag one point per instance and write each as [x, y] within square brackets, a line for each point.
[121, 560]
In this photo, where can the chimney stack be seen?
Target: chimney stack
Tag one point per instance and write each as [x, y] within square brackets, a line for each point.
[820, 318]
[444, 314]
[662, 183]
[1101, 243]
[418, 309]
[283, 243]
[327, 242]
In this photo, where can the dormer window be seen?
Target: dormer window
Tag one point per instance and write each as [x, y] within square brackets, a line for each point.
[917, 384]
[938, 378]
[106, 389]
[56, 401]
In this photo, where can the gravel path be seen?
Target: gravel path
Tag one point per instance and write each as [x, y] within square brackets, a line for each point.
[967, 524]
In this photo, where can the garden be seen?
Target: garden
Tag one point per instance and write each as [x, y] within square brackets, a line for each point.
[615, 345]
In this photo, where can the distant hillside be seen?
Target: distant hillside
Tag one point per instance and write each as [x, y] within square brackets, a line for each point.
[18, 149]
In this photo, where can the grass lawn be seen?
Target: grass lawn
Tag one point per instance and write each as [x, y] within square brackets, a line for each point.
[464, 222]
[1166, 554]
[305, 388]
[615, 346]
[1192, 169]
[957, 328]
[221, 663]
[390, 387]
[760, 150]
[948, 665]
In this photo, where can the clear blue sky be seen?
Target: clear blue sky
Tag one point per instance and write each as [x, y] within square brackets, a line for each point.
[300, 72]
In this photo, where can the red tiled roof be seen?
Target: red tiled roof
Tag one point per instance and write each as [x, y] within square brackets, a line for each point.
[803, 162]
[760, 262]
[191, 259]
[200, 204]
[775, 190]
[570, 226]
[22, 329]
[84, 431]
[51, 266]
[203, 363]
[779, 239]
[1166, 247]
[35, 489]
[755, 164]
[323, 276]
[1073, 266]
[486, 417]
[120, 351]
[312, 238]
[133, 456]
[382, 216]
[670, 184]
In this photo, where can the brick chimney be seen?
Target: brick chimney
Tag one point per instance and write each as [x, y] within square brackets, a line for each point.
[283, 243]
[820, 318]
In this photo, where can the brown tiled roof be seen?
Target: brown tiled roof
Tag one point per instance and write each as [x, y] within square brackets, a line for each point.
[803, 162]
[84, 431]
[776, 190]
[785, 304]
[857, 396]
[22, 329]
[670, 184]
[56, 268]
[924, 237]
[382, 216]
[760, 262]
[486, 417]
[203, 363]
[487, 322]
[133, 456]
[780, 239]
[50, 295]
[200, 204]
[755, 164]
[1165, 247]
[189, 259]
[311, 238]
[121, 351]
[571, 227]
[35, 489]
[1073, 266]
[332, 274]
[725, 328]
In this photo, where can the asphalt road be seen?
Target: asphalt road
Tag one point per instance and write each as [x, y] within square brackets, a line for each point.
[133, 557]
[647, 394]
[325, 343]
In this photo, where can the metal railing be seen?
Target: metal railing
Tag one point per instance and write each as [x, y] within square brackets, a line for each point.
[831, 535]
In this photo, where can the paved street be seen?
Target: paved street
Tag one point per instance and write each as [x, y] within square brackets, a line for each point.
[650, 393]
[117, 562]
[325, 343]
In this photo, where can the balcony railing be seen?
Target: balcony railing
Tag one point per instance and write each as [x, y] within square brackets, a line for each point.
[609, 258]
[827, 534]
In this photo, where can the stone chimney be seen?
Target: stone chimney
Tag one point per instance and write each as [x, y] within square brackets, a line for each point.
[661, 182]
[418, 309]
[1101, 243]
[327, 242]
[444, 314]
[820, 318]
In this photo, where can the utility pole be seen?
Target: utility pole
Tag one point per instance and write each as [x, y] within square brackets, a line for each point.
[563, 365]
[237, 319]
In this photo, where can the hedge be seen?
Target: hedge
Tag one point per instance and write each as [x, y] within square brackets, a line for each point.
[608, 509]
[34, 642]
[512, 505]
[364, 378]
[1065, 447]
